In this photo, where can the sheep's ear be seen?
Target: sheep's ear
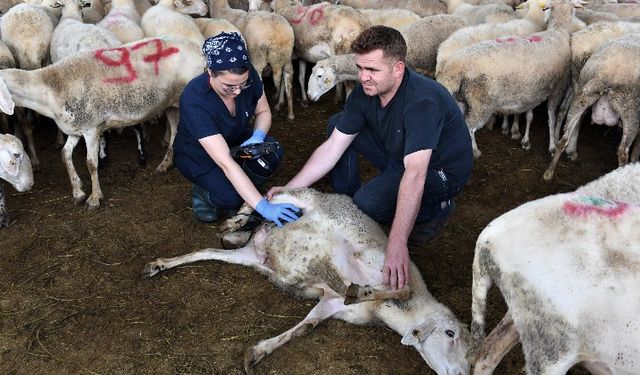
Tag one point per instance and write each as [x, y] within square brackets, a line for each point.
[6, 102]
[419, 333]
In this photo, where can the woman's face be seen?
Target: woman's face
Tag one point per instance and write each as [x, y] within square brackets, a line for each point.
[228, 84]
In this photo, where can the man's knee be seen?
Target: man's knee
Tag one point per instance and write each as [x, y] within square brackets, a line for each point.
[378, 208]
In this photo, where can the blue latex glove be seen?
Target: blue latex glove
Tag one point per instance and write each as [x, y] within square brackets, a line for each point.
[257, 137]
[277, 211]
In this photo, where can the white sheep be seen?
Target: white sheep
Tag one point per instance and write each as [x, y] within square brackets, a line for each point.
[602, 77]
[512, 74]
[327, 253]
[486, 13]
[395, 18]
[214, 26]
[26, 29]
[422, 37]
[91, 92]
[72, 35]
[623, 11]
[570, 280]
[320, 30]
[15, 168]
[423, 8]
[123, 21]
[169, 17]
[270, 41]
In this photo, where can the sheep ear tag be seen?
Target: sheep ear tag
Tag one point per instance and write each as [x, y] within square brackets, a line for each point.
[6, 102]
[8, 163]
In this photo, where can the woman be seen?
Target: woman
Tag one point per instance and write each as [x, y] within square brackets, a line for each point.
[215, 110]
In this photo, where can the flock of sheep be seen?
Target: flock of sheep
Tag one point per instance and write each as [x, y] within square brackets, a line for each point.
[93, 67]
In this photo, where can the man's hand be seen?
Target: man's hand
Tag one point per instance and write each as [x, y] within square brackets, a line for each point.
[396, 265]
[273, 191]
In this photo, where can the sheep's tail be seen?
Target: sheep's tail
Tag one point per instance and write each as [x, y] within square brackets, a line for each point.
[7, 104]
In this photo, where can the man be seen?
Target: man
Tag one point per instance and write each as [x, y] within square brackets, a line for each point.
[411, 129]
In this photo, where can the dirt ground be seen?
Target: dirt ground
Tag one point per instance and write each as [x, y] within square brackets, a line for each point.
[72, 298]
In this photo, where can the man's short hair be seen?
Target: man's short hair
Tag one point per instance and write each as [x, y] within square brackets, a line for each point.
[387, 39]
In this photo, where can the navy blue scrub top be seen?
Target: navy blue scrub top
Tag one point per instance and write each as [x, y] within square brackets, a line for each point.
[203, 113]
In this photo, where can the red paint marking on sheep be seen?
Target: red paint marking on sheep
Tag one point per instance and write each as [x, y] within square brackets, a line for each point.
[313, 18]
[156, 57]
[583, 210]
[125, 59]
[513, 39]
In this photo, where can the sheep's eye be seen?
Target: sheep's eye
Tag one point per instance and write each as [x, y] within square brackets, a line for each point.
[450, 333]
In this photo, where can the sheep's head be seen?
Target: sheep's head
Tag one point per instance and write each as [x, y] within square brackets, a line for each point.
[322, 79]
[191, 7]
[15, 166]
[443, 342]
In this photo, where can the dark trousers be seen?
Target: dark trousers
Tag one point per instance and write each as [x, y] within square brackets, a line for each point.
[378, 197]
[221, 192]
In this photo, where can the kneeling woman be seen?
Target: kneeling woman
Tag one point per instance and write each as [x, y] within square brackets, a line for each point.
[215, 110]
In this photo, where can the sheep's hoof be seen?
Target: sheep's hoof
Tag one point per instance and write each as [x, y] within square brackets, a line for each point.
[250, 360]
[505, 131]
[477, 153]
[515, 136]
[526, 145]
[304, 103]
[80, 198]
[153, 268]
[548, 174]
[573, 156]
[291, 117]
[92, 204]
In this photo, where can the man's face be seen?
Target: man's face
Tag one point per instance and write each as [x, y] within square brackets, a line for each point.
[377, 73]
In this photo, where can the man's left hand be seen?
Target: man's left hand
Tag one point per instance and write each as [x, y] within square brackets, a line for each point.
[396, 265]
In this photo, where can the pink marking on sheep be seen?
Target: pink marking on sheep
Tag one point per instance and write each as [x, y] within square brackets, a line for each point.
[125, 59]
[314, 17]
[588, 206]
[514, 39]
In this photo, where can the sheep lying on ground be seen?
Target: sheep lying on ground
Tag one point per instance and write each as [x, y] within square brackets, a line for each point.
[570, 280]
[422, 37]
[15, 168]
[327, 253]
[603, 79]
[91, 92]
[493, 76]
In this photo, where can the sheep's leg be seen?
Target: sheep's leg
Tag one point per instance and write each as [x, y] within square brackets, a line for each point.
[246, 256]
[515, 127]
[59, 139]
[562, 110]
[27, 129]
[525, 140]
[339, 93]
[92, 140]
[67, 159]
[302, 74]
[329, 305]
[504, 127]
[551, 114]
[142, 153]
[358, 294]
[499, 342]
[629, 133]
[636, 150]
[103, 150]
[172, 121]
[236, 222]
[577, 109]
[4, 216]
[287, 84]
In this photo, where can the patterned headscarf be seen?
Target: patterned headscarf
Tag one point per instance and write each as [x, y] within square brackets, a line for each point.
[226, 51]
